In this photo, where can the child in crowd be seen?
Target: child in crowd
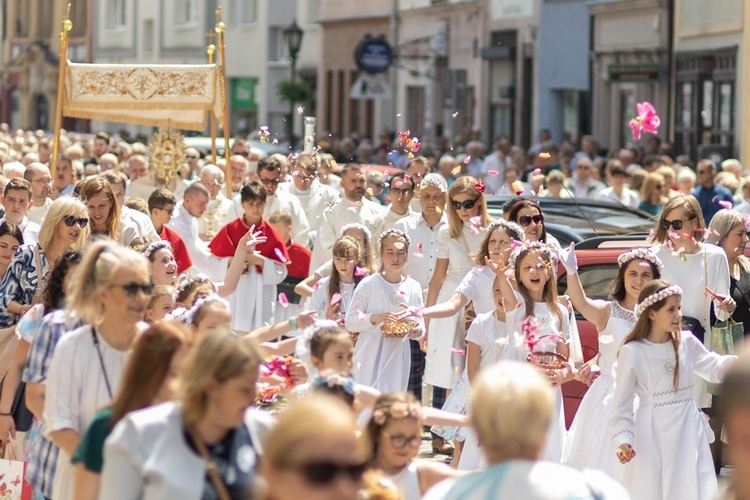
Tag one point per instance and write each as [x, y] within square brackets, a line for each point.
[333, 295]
[208, 314]
[160, 304]
[254, 301]
[382, 357]
[299, 263]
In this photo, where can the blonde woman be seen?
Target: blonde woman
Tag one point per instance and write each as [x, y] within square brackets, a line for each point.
[457, 242]
[65, 227]
[653, 194]
[110, 291]
[205, 445]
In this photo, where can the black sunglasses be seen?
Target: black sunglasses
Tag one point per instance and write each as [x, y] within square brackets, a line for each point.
[467, 204]
[242, 153]
[131, 289]
[320, 473]
[526, 220]
[676, 224]
[71, 221]
[170, 211]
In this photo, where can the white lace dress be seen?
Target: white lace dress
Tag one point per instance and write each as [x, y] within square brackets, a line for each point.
[590, 428]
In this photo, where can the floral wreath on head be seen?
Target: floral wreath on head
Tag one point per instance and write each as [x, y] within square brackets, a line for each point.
[528, 246]
[641, 253]
[657, 297]
[334, 380]
[357, 225]
[509, 227]
[397, 410]
[154, 247]
[202, 302]
[186, 283]
[394, 232]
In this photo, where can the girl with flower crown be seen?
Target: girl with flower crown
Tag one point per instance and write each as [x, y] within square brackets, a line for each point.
[394, 434]
[666, 444]
[531, 265]
[457, 242]
[613, 320]
[333, 295]
[382, 356]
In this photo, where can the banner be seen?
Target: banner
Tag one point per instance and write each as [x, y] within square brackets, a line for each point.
[180, 96]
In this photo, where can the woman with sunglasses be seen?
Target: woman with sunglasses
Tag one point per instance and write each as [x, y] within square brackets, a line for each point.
[207, 444]
[653, 194]
[110, 291]
[313, 453]
[65, 226]
[394, 434]
[456, 243]
[528, 215]
[702, 271]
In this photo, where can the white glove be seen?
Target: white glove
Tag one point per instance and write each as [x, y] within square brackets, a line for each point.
[567, 258]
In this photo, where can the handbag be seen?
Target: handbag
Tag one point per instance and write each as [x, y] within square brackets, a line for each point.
[13, 472]
[22, 417]
[726, 338]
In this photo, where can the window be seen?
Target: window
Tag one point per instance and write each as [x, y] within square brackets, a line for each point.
[276, 46]
[186, 12]
[45, 18]
[313, 11]
[148, 36]
[79, 16]
[595, 278]
[23, 14]
[242, 11]
[415, 99]
[115, 14]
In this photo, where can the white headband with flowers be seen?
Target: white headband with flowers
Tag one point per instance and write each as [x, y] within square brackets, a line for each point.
[657, 297]
[397, 410]
[528, 246]
[641, 253]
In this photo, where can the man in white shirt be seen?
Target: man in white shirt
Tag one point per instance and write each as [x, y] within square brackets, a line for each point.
[314, 197]
[354, 207]
[41, 187]
[185, 223]
[583, 185]
[137, 167]
[238, 166]
[16, 201]
[63, 181]
[417, 168]
[401, 192]
[493, 166]
[219, 205]
[618, 191]
[423, 230]
[142, 222]
[269, 173]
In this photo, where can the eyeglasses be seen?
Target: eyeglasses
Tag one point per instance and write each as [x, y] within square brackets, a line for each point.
[170, 211]
[676, 224]
[701, 172]
[269, 181]
[405, 192]
[399, 442]
[72, 220]
[467, 204]
[241, 153]
[131, 289]
[321, 473]
[191, 157]
[43, 180]
[526, 220]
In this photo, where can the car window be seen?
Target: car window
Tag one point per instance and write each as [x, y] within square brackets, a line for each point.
[596, 279]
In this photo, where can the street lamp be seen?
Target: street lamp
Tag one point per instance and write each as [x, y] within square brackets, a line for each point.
[293, 38]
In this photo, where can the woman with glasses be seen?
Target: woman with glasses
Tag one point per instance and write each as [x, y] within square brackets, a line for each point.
[110, 291]
[313, 453]
[528, 215]
[653, 194]
[207, 444]
[702, 271]
[394, 434]
[456, 243]
[64, 227]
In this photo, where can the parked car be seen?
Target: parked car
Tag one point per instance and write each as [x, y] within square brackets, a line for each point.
[578, 220]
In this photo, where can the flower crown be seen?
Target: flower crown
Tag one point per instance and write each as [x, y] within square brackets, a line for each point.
[356, 225]
[641, 253]
[510, 227]
[154, 247]
[397, 410]
[394, 232]
[528, 246]
[203, 301]
[189, 282]
[334, 380]
[657, 297]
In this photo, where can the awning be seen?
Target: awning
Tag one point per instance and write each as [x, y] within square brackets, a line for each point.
[180, 96]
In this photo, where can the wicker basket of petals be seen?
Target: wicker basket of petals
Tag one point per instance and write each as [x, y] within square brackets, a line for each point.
[399, 329]
[542, 354]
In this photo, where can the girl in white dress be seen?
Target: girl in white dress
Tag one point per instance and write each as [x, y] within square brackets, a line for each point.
[333, 295]
[457, 242]
[531, 265]
[475, 288]
[379, 302]
[394, 434]
[613, 319]
[669, 433]
[693, 266]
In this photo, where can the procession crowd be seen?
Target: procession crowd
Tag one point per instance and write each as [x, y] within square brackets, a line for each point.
[264, 326]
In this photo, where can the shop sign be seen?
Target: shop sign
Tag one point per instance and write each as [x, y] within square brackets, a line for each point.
[643, 73]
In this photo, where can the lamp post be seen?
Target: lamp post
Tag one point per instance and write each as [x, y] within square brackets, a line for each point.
[293, 38]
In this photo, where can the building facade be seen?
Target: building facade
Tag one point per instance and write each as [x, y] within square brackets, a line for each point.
[30, 55]
[175, 32]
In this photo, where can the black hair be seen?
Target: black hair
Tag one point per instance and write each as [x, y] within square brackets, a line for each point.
[11, 229]
[252, 192]
[54, 294]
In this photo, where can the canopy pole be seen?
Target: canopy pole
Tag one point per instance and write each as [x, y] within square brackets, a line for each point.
[211, 50]
[220, 27]
[67, 25]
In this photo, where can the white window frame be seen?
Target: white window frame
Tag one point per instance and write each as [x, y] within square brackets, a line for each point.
[186, 13]
[239, 8]
[116, 15]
